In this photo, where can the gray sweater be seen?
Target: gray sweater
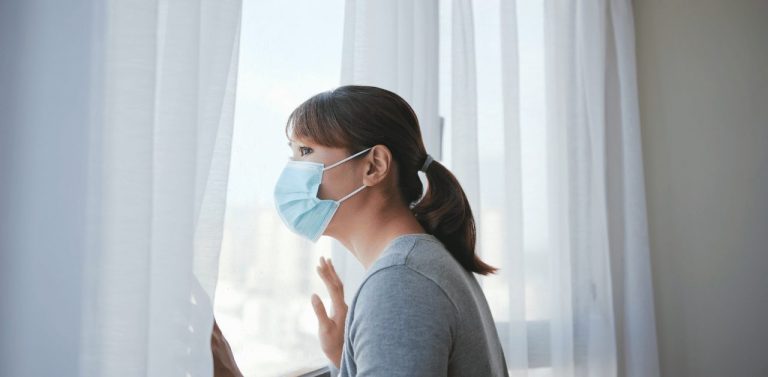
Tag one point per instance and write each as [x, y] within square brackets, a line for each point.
[418, 312]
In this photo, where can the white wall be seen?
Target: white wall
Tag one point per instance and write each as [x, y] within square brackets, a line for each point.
[45, 68]
[703, 79]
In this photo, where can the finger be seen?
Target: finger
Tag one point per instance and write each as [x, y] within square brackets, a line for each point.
[334, 287]
[331, 280]
[322, 315]
[329, 272]
[325, 272]
[339, 284]
[322, 270]
[333, 272]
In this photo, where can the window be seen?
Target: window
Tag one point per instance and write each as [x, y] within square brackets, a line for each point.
[266, 273]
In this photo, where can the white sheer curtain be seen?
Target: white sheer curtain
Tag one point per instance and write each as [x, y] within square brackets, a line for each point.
[132, 158]
[161, 164]
[605, 324]
[576, 301]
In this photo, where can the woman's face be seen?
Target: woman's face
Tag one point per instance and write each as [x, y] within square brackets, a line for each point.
[338, 181]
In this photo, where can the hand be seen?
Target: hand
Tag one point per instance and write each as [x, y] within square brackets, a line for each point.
[223, 361]
[331, 329]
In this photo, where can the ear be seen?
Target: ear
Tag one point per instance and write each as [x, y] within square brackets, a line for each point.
[378, 165]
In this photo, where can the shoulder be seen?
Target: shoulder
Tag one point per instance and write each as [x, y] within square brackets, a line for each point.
[401, 324]
[398, 291]
[425, 255]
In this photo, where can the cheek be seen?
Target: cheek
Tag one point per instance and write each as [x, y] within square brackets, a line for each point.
[335, 185]
[322, 192]
[326, 191]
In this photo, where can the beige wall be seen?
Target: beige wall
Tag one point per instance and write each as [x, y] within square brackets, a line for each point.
[703, 81]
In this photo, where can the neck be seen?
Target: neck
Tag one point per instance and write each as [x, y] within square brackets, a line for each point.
[367, 240]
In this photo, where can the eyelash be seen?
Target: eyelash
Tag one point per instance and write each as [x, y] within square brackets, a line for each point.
[301, 150]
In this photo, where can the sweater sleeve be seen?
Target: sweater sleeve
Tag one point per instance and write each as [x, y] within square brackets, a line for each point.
[332, 370]
[403, 325]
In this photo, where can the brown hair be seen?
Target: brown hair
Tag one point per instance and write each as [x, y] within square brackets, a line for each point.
[356, 117]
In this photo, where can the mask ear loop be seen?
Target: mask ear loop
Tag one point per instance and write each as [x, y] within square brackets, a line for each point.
[347, 159]
[352, 193]
[343, 161]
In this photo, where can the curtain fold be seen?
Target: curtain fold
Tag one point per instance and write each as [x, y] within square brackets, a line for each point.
[630, 243]
[160, 157]
[516, 340]
[465, 159]
[602, 323]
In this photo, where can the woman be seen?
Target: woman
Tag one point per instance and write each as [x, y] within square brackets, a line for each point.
[419, 310]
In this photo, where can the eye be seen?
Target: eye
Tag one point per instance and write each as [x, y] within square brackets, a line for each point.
[303, 149]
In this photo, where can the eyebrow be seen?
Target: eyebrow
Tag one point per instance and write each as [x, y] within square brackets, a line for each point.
[292, 143]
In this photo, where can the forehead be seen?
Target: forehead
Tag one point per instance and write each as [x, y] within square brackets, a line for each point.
[293, 138]
[295, 142]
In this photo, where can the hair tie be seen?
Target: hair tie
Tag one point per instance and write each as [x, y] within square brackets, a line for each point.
[427, 161]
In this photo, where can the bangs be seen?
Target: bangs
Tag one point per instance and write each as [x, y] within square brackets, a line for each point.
[315, 121]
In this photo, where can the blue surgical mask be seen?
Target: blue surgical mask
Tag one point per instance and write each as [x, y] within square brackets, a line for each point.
[296, 197]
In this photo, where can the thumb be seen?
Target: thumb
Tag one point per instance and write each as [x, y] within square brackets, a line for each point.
[322, 315]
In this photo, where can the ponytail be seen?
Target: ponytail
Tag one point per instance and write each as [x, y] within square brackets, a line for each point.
[445, 213]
